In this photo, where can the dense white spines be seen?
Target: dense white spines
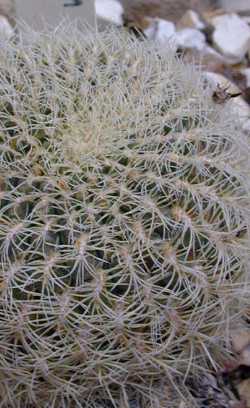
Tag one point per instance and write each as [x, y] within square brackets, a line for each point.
[124, 222]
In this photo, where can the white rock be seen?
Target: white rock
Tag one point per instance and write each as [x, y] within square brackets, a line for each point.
[162, 31]
[211, 51]
[217, 79]
[190, 19]
[166, 31]
[246, 19]
[6, 31]
[240, 108]
[109, 10]
[231, 36]
[151, 30]
[190, 38]
[246, 72]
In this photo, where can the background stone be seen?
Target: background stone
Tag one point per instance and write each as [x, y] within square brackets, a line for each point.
[38, 13]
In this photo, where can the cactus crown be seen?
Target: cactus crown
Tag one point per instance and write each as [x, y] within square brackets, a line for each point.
[124, 222]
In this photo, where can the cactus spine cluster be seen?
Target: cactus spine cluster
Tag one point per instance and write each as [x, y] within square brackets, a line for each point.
[123, 222]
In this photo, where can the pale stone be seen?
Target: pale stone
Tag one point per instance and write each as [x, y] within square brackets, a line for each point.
[214, 53]
[151, 31]
[162, 31]
[217, 79]
[246, 72]
[190, 38]
[239, 108]
[231, 36]
[110, 11]
[41, 14]
[242, 110]
[166, 30]
[246, 19]
[211, 51]
[190, 19]
[6, 31]
[208, 58]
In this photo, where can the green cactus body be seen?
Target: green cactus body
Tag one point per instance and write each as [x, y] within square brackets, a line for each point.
[124, 222]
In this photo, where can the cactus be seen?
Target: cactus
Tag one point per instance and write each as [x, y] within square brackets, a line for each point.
[124, 222]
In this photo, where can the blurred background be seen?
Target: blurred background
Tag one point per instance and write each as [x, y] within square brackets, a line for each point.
[171, 10]
[213, 34]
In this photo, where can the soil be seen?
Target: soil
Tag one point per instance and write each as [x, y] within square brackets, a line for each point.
[171, 10]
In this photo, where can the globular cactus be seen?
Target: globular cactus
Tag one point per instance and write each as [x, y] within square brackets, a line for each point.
[124, 222]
